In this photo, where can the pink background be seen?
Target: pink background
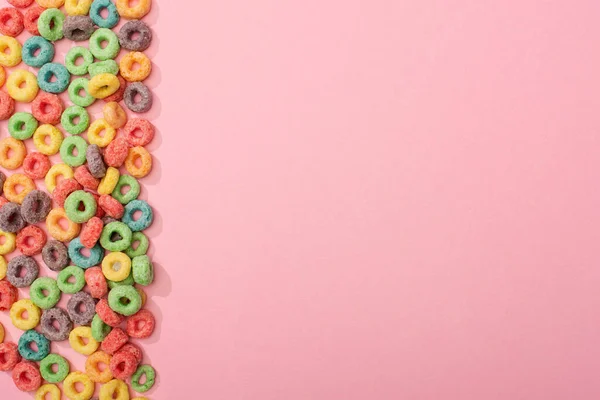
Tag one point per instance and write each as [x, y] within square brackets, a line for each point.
[376, 199]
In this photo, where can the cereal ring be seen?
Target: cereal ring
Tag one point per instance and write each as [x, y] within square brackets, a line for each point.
[144, 221]
[12, 153]
[44, 293]
[140, 30]
[142, 245]
[85, 178]
[134, 12]
[96, 282]
[109, 182]
[64, 280]
[9, 356]
[118, 95]
[141, 325]
[85, 262]
[20, 3]
[78, 7]
[37, 51]
[64, 188]
[21, 84]
[51, 132]
[80, 206]
[25, 341]
[138, 89]
[56, 230]
[9, 244]
[51, 3]
[134, 350]
[36, 165]
[78, 86]
[114, 341]
[125, 300]
[55, 255]
[132, 59]
[11, 221]
[73, 55]
[56, 326]
[26, 376]
[116, 152]
[76, 339]
[10, 52]
[103, 85]
[48, 391]
[7, 106]
[47, 108]
[93, 370]
[114, 115]
[107, 315]
[78, 28]
[101, 133]
[60, 72]
[91, 232]
[31, 240]
[123, 237]
[104, 67]
[35, 208]
[11, 21]
[111, 206]
[116, 267]
[112, 18]
[139, 132]
[95, 162]
[142, 270]
[123, 365]
[33, 314]
[50, 24]
[99, 329]
[129, 195]
[81, 308]
[32, 16]
[150, 374]
[15, 267]
[75, 120]
[72, 151]
[14, 183]
[22, 125]
[70, 386]
[114, 389]
[47, 368]
[8, 295]
[107, 52]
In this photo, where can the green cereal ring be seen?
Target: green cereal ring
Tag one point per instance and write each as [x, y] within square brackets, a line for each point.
[123, 233]
[78, 85]
[47, 370]
[150, 378]
[74, 201]
[39, 298]
[50, 24]
[65, 276]
[67, 148]
[125, 300]
[68, 117]
[73, 55]
[142, 270]
[22, 125]
[100, 330]
[125, 282]
[112, 44]
[103, 67]
[142, 246]
[131, 194]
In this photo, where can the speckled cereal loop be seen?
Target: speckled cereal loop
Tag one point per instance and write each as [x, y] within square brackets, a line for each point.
[111, 318]
[47, 108]
[142, 245]
[73, 151]
[112, 47]
[12, 185]
[11, 220]
[75, 120]
[134, 12]
[9, 295]
[22, 125]
[31, 17]
[56, 324]
[103, 67]
[37, 51]
[20, 3]
[131, 194]
[44, 292]
[94, 278]
[81, 308]
[31, 240]
[78, 28]
[16, 267]
[111, 206]
[85, 178]
[80, 206]
[56, 230]
[119, 230]
[142, 270]
[95, 162]
[48, 391]
[62, 170]
[114, 114]
[78, 86]
[101, 133]
[55, 255]
[123, 365]
[7, 106]
[99, 328]
[78, 7]
[12, 153]
[115, 389]
[132, 28]
[150, 374]
[50, 24]
[11, 21]
[36, 206]
[127, 63]
[93, 370]
[55, 136]
[47, 368]
[112, 18]
[139, 132]
[70, 386]
[85, 262]
[116, 266]
[9, 356]
[21, 84]
[116, 152]
[90, 234]
[10, 51]
[138, 89]
[78, 338]
[109, 182]
[33, 314]
[103, 85]
[51, 3]
[141, 325]
[25, 341]
[118, 95]
[64, 283]
[9, 245]
[59, 72]
[26, 376]
[74, 54]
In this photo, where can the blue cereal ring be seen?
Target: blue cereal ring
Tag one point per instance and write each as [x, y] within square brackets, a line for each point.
[40, 340]
[144, 221]
[96, 254]
[63, 78]
[33, 44]
[96, 14]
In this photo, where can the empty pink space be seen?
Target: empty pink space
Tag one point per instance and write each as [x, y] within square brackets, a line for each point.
[375, 199]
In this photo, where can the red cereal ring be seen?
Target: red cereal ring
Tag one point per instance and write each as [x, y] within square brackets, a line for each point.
[123, 364]
[9, 356]
[85, 178]
[31, 18]
[3, 201]
[11, 21]
[31, 240]
[99, 211]
[47, 108]
[133, 349]
[36, 165]
[107, 315]
[26, 376]
[118, 95]
[21, 3]
[138, 132]
[141, 325]
[96, 282]
[91, 231]
[114, 340]
[8, 295]
[7, 105]
[63, 189]
[116, 152]
[111, 206]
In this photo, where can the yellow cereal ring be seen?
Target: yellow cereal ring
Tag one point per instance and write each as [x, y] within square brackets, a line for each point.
[12, 153]
[103, 85]
[135, 75]
[145, 159]
[50, 3]
[13, 182]
[92, 370]
[11, 57]
[95, 131]
[114, 114]
[55, 229]
[1, 333]
[39, 139]
[70, 386]
[30, 88]
[110, 263]
[48, 389]
[9, 245]
[109, 182]
[78, 7]
[2, 76]
[76, 340]
[114, 389]
[3, 267]
[33, 314]
[62, 170]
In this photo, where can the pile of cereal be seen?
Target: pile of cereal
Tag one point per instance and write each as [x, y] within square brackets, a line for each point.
[97, 249]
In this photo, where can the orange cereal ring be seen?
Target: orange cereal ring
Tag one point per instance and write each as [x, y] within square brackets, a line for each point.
[53, 223]
[126, 66]
[92, 367]
[12, 185]
[12, 153]
[114, 114]
[145, 162]
[133, 12]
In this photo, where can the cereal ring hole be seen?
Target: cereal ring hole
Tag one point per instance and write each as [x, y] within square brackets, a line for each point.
[79, 387]
[33, 346]
[104, 12]
[125, 189]
[56, 325]
[83, 340]
[81, 308]
[54, 367]
[64, 224]
[115, 237]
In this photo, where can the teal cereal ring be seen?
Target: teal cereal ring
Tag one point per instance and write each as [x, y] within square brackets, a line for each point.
[112, 47]
[100, 329]
[125, 282]
[125, 300]
[112, 18]
[75, 120]
[43, 346]
[50, 24]
[47, 368]
[103, 67]
[150, 374]
[130, 194]
[142, 245]
[85, 262]
[44, 292]
[80, 206]
[71, 273]
[75, 88]
[60, 72]
[75, 54]
[37, 51]
[22, 125]
[144, 221]
[142, 270]
[67, 151]
[119, 230]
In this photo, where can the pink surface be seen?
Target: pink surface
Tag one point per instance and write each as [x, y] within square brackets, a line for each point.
[386, 200]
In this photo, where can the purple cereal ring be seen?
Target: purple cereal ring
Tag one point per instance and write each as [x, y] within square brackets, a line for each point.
[95, 163]
[61, 317]
[55, 255]
[36, 206]
[78, 27]
[10, 218]
[131, 28]
[81, 308]
[134, 89]
[16, 265]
